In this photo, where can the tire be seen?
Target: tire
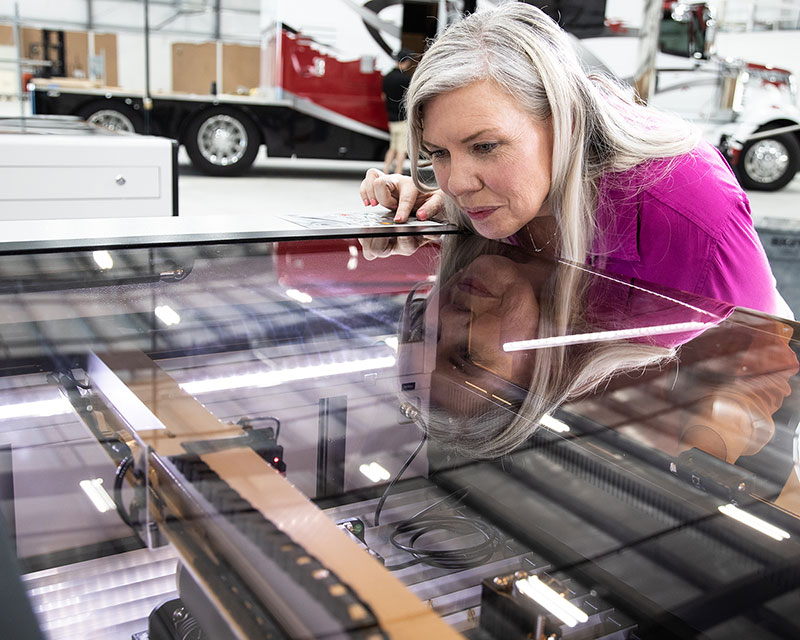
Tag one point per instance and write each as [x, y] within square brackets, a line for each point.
[112, 115]
[769, 164]
[222, 142]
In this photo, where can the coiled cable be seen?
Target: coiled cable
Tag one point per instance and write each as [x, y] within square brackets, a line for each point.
[408, 533]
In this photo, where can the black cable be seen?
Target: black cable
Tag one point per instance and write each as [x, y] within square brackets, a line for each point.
[396, 478]
[419, 526]
[119, 477]
[465, 557]
[458, 558]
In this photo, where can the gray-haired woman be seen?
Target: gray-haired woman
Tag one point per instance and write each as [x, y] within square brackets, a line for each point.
[525, 146]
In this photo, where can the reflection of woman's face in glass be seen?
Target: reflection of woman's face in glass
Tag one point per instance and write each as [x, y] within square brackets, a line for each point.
[488, 303]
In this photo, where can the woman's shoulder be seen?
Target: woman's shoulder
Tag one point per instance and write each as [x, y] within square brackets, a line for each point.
[697, 180]
[698, 186]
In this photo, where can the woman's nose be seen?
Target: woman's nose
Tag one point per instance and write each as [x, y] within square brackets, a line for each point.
[462, 178]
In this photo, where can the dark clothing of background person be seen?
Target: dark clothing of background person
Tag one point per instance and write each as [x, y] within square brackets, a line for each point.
[395, 85]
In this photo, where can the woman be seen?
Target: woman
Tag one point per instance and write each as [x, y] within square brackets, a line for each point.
[526, 147]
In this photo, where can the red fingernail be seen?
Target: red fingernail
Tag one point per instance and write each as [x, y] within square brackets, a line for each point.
[366, 202]
[421, 215]
[373, 202]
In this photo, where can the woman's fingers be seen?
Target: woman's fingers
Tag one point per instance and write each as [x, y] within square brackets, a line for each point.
[386, 190]
[407, 245]
[398, 192]
[372, 248]
[368, 186]
[407, 196]
[382, 247]
[432, 208]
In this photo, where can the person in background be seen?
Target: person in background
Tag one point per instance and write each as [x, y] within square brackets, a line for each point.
[395, 85]
[528, 148]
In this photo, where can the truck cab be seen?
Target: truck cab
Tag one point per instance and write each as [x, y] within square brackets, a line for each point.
[747, 110]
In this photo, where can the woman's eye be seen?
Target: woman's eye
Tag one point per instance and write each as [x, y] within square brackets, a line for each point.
[485, 147]
[437, 154]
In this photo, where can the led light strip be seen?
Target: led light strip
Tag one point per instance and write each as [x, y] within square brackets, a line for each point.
[554, 602]
[374, 471]
[282, 376]
[605, 336]
[554, 424]
[97, 493]
[35, 409]
[754, 522]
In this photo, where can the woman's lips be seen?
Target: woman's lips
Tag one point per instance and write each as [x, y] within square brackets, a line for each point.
[479, 213]
[474, 287]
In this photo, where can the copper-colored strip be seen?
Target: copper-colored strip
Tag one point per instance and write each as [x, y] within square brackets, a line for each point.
[400, 613]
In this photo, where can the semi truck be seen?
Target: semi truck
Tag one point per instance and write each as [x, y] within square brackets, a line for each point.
[320, 107]
[748, 110]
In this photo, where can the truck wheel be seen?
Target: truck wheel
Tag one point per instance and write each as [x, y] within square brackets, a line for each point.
[112, 115]
[769, 164]
[222, 142]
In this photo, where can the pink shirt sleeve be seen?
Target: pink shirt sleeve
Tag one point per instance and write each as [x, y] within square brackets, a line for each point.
[685, 224]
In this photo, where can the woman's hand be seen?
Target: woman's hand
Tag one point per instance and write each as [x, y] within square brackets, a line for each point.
[384, 246]
[398, 192]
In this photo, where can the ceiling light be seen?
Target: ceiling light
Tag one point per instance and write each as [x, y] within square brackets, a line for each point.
[554, 424]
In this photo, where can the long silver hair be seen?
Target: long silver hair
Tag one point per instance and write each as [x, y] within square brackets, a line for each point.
[598, 129]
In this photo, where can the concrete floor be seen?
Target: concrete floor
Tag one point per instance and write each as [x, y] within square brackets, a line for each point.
[273, 187]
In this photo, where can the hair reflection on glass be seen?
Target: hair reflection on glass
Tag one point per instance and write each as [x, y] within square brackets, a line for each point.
[484, 401]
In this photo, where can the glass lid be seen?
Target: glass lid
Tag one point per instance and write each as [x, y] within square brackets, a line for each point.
[288, 439]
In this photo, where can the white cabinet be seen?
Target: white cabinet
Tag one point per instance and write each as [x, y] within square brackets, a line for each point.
[49, 176]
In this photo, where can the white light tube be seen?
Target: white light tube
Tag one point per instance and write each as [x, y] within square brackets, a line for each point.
[605, 336]
[762, 526]
[103, 259]
[374, 472]
[167, 314]
[554, 424]
[98, 495]
[35, 409]
[282, 376]
[352, 263]
[300, 296]
[554, 602]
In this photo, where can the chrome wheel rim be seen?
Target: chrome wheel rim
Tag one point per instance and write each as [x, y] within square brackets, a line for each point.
[766, 161]
[112, 120]
[222, 140]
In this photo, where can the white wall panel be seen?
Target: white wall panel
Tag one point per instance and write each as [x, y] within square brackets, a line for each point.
[130, 56]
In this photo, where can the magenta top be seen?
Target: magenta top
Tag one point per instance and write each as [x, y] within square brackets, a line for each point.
[685, 223]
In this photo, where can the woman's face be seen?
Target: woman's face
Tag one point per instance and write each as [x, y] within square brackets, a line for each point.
[489, 156]
[490, 302]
